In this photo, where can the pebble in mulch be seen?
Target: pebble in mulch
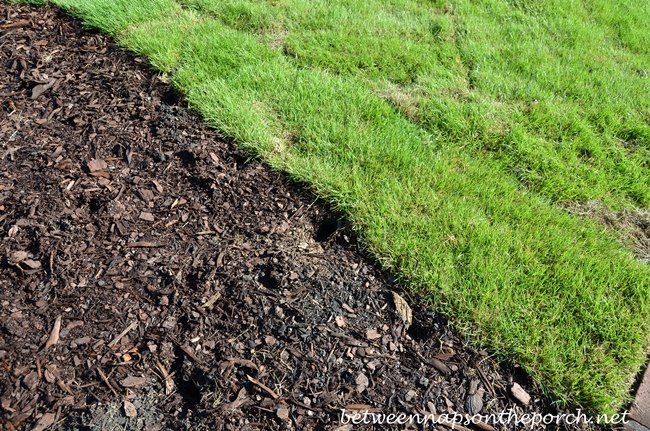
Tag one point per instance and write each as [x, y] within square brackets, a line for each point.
[154, 277]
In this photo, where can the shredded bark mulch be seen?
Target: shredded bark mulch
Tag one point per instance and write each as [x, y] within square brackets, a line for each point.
[153, 277]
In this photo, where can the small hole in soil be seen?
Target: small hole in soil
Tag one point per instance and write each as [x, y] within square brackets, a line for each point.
[425, 324]
[187, 158]
[171, 96]
[269, 279]
[328, 227]
[95, 205]
[118, 150]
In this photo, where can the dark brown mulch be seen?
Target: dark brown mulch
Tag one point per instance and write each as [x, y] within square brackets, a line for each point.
[195, 289]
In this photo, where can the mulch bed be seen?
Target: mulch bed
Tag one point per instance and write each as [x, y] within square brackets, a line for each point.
[153, 277]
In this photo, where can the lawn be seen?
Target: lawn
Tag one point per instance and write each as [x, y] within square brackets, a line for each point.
[451, 134]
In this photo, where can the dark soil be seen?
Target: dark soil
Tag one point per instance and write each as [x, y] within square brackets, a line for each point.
[195, 288]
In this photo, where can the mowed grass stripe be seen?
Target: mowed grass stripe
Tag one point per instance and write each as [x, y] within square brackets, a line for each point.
[440, 207]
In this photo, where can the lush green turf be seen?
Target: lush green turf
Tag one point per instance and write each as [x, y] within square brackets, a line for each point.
[448, 132]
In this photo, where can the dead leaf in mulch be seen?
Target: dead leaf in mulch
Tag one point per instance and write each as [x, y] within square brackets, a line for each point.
[42, 88]
[45, 421]
[17, 257]
[130, 410]
[403, 309]
[133, 381]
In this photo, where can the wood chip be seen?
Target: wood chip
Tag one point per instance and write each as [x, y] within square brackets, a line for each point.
[64, 386]
[21, 23]
[101, 174]
[129, 409]
[105, 379]
[187, 349]
[403, 310]
[145, 244]
[241, 399]
[64, 165]
[45, 421]
[263, 387]
[243, 362]
[520, 394]
[31, 264]
[358, 407]
[474, 400]
[372, 334]
[362, 382]
[210, 302]
[49, 377]
[146, 194]
[54, 335]
[126, 331]
[30, 381]
[340, 321]
[96, 165]
[282, 412]
[146, 216]
[167, 378]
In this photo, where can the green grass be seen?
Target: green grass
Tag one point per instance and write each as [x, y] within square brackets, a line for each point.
[448, 132]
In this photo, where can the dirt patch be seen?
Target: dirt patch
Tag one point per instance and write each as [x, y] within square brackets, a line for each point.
[633, 226]
[153, 277]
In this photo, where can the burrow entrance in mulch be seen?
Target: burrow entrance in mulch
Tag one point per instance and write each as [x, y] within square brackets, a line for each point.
[153, 277]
